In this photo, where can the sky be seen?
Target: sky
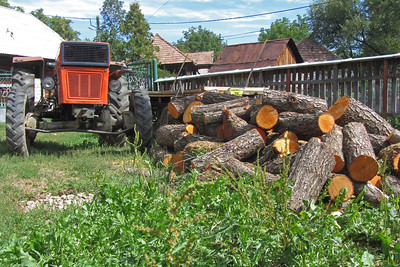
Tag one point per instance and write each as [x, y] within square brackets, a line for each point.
[169, 18]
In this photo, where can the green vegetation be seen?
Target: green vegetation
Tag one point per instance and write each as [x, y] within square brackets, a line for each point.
[137, 218]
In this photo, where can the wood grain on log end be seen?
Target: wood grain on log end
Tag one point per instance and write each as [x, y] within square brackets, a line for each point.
[267, 117]
[339, 107]
[338, 182]
[340, 164]
[187, 115]
[377, 181]
[285, 146]
[363, 168]
[326, 122]
[394, 137]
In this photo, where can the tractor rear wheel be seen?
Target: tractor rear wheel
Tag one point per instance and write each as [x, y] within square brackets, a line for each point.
[118, 103]
[141, 107]
[20, 101]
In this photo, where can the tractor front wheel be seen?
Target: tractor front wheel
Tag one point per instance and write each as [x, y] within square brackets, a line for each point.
[20, 101]
[141, 107]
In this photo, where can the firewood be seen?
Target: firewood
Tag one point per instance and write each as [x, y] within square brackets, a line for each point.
[391, 155]
[334, 139]
[285, 102]
[305, 126]
[277, 165]
[196, 148]
[166, 118]
[377, 181]
[358, 152]
[373, 195]
[394, 185]
[285, 147]
[178, 105]
[212, 113]
[347, 109]
[158, 153]
[232, 126]
[265, 117]
[167, 134]
[240, 148]
[337, 183]
[210, 97]
[378, 142]
[311, 169]
[186, 138]
[187, 115]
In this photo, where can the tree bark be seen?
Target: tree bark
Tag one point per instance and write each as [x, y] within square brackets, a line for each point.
[284, 102]
[391, 155]
[378, 142]
[305, 126]
[311, 169]
[334, 140]
[358, 152]
[186, 138]
[210, 97]
[373, 195]
[347, 109]
[232, 126]
[168, 133]
[240, 148]
[178, 105]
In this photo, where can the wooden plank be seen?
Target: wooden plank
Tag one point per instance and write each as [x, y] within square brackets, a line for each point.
[370, 88]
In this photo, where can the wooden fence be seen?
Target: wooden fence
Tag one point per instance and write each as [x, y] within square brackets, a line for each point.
[375, 81]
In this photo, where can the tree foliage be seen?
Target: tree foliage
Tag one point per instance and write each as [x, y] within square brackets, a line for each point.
[137, 31]
[127, 32]
[6, 4]
[59, 24]
[356, 27]
[284, 28]
[199, 40]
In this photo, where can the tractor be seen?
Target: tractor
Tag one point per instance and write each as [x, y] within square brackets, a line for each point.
[82, 90]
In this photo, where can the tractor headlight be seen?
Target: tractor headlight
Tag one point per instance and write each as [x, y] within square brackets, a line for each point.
[115, 85]
[48, 83]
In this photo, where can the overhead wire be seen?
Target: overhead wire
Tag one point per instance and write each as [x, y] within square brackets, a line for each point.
[158, 9]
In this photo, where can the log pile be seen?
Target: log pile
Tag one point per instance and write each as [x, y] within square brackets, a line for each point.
[337, 148]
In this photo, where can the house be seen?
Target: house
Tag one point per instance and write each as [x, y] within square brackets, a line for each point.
[172, 59]
[270, 53]
[22, 34]
[312, 51]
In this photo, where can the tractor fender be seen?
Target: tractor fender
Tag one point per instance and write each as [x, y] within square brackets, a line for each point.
[36, 64]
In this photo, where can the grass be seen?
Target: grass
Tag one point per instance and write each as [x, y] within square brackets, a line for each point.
[136, 221]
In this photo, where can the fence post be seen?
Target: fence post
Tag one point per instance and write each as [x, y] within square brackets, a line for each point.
[288, 80]
[385, 86]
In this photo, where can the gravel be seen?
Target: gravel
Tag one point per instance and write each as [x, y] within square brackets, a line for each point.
[57, 202]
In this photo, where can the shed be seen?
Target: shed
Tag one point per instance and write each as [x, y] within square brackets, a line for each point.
[243, 56]
[312, 51]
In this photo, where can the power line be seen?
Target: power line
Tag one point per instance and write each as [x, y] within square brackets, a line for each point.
[240, 34]
[158, 9]
[233, 18]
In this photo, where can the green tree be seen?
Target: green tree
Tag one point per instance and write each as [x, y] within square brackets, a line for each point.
[356, 27]
[199, 40]
[112, 16]
[284, 28]
[58, 24]
[6, 4]
[137, 32]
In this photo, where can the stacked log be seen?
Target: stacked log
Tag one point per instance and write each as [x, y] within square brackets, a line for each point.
[337, 148]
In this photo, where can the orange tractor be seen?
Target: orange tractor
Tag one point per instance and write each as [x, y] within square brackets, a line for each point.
[82, 91]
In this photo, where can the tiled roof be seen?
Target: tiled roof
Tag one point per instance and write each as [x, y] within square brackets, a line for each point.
[202, 58]
[167, 53]
[22, 34]
[312, 51]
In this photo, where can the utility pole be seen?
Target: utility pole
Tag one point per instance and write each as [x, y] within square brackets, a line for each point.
[97, 29]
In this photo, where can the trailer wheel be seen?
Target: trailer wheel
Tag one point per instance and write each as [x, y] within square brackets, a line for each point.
[141, 107]
[20, 101]
[118, 103]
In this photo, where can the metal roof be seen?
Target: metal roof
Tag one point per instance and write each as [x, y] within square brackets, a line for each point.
[22, 34]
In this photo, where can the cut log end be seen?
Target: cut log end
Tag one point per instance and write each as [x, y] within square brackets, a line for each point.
[326, 122]
[377, 180]
[173, 111]
[363, 168]
[190, 128]
[285, 146]
[337, 183]
[339, 107]
[187, 115]
[267, 117]
[339, 164]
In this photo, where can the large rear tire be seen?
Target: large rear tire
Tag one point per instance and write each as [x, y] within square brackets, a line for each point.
[141, 108]
[20, 101]
[118, 103]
